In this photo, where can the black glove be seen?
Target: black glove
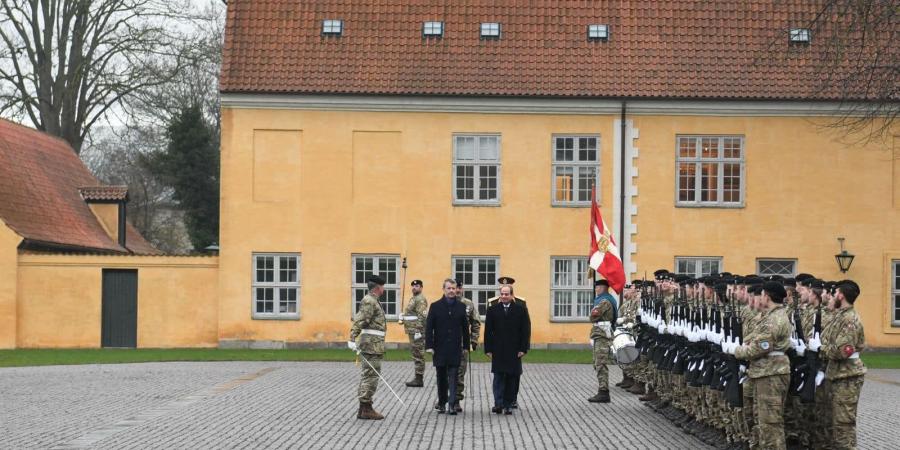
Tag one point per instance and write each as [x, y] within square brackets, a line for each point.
[474, 346]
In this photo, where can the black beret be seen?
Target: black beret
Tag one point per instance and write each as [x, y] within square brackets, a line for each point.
[419, 282]
[775, 290]
[601, 282]
[816, 284]
[376, 279]
[789, 282]
[755, 289]
[851, 283]
[803, 276]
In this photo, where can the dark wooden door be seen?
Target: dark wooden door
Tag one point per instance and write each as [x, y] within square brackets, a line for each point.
[119, 328]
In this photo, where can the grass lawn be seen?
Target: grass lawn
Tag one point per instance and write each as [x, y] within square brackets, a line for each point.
[18, 358]
[25, 357]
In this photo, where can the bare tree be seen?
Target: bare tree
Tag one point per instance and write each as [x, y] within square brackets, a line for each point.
[65, 64]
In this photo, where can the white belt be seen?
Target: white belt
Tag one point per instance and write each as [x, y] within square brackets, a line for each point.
[854, 356]
[602, 324]
[776, 354]
[410, 317]
[373, 332]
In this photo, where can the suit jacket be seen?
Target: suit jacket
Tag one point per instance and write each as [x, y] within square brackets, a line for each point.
[505, 335]
[447, 332]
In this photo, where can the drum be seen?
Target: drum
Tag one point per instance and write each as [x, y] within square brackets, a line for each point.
[623, 347]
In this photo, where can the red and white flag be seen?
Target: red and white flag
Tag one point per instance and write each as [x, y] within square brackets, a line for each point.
[604, 257]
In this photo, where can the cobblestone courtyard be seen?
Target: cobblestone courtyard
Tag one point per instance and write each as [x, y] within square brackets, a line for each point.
[313, 405]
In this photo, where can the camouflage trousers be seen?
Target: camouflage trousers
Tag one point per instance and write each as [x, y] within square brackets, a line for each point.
[461, 375]
[770, 394]
[368, 379]
[417, 348]
[749, 415]
[601, 359]
[844, 399]
[820, 418]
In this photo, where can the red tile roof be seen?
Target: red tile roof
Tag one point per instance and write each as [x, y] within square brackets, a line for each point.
[40, 177]
[696, 49]
[104, 193]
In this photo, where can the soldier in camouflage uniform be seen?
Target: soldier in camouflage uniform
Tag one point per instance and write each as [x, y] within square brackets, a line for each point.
[627, 314]
[841, 343]
[414, 325]
[819, 417]
[475, 332]
[769, 369]
[603, 318]
[367, 339]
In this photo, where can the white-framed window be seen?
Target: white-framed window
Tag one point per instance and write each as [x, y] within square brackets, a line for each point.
[710, 171]
[597, 32]
[332, 27]
[490, 30]
[479, 277]
[698, 266]
[776, 266]
[895, 292]
[276, 286]
[387, 266]
[571, 290]
[576, 169]
[433, 29]
[476, 169]
[800, 36]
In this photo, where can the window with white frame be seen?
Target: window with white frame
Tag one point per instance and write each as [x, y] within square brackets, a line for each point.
[433, 29]
[476, 170]
[783, 267]
[571, 291]
[895, 292]
[479, 277]
[276, 286]
[710, 171]
[597, 32]
[576, 169]
[385, 266]
[332, 27]
[698, 266]
[490, 30]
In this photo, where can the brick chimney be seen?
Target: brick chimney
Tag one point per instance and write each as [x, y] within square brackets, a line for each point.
[108, 205]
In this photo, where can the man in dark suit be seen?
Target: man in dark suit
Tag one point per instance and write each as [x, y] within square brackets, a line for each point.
[446, 335]
[507, 338]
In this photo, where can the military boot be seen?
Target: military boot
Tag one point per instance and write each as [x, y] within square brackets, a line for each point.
[637, 388]
[416, 382]
[650, 396]
[627, 383]
[601, 397]
[367, 413]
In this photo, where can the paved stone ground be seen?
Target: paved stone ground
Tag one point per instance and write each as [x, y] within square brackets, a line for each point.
[313, 405]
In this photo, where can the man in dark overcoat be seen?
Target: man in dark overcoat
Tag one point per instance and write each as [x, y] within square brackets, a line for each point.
[446, 335]
[507, 338]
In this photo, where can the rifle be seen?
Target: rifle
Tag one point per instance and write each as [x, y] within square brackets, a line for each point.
[798, 363]
[734, 391]
[808, 388]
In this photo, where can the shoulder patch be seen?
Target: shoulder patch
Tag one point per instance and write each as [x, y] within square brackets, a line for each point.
[764, 345]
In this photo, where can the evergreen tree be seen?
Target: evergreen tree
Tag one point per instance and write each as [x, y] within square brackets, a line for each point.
[190, 165]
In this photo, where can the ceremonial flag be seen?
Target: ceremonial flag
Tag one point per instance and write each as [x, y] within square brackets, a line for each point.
[604, 257]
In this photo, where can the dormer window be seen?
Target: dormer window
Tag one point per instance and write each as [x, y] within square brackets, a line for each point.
[598, 32]
[332, 27]
[490, 30]
[433, 29]
[800, 36]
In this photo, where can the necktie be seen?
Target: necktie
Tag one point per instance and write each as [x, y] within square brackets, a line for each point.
[506, 309]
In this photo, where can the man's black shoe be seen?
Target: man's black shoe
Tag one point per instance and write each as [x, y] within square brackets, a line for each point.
[441, 409]
[497, 410]
[456, 408]
[515, 405]
[507, 411]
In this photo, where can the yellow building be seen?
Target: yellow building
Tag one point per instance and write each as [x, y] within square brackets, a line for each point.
[466, 139]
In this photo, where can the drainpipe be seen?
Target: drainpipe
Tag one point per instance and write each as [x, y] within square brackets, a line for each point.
[622, 160]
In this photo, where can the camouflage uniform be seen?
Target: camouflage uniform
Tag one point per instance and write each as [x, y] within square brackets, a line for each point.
[368, 332]
[628, 312]
[820, 419]
[414, 322]
[841, 343]
[475, 328]
[769, 374]
[601, 334]
[748, 413]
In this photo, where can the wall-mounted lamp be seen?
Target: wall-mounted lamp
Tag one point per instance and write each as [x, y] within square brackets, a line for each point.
[843, 258]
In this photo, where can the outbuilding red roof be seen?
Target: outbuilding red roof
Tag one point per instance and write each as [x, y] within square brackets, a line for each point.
[691, 49]
[40, 178]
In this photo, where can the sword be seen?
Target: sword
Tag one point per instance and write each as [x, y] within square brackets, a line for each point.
[382, 378]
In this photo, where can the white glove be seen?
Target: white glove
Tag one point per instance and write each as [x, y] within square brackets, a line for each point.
[800, 348]
[820, 377]
[793, 343]
[592, 342]
[417, 336]
[815, 344]
[429, 350]
[661, 329]
[620, 321]
[352, 346]
[629, 326]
